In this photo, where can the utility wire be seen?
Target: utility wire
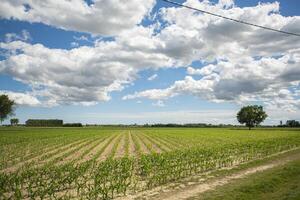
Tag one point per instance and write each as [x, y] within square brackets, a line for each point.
[231, 19]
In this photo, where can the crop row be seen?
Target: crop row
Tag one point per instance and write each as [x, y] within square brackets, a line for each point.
[113, 177]
[85, 149]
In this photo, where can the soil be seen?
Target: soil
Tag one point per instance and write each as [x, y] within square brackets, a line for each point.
[108, 149]
[132, 148]
[121, 147]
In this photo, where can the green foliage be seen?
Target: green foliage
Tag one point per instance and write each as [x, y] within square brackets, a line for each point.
[201, 150]
[14, 121]
[6, 107]
[292, 123]
[251, 115]
[44, 122]
[72, 125]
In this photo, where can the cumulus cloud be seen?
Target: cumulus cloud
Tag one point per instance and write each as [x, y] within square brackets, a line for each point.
[265, 80]
[196, 36]
[239, 63]
[103, 17]
[203, 71]
[23, 36]
[22, 98]
[188, 85]
[244, 63]
[83, 74]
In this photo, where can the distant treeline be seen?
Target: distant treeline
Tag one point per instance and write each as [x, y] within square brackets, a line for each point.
[50, 123]
[203, 125]
[170, 125]
[44, 122]
[290, 123]
[190, 125]
[59, 123]
[72, 125]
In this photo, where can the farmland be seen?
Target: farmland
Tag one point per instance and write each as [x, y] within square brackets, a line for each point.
[103, 163]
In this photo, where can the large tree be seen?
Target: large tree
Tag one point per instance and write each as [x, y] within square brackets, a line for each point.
[14, 121]
[251, 115]
[6, 107]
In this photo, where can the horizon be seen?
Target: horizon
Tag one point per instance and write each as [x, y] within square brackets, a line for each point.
[149, 62]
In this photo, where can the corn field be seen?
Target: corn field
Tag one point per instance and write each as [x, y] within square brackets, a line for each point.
[104, 163]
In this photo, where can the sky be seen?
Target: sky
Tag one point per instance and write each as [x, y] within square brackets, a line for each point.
[125, 62]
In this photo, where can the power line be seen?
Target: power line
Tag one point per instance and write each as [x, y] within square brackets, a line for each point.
[231, 19]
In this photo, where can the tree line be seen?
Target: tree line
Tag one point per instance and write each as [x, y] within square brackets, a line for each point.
[250, 116]
[290, 123]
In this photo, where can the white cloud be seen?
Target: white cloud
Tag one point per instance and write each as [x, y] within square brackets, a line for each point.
[203, 71]
[226, 3]
[103, 17]
[196, 36]
[22, 98]
[247, 63]
[83, 74]
[24, 36]
[240, 63]
[188, 85]
[265, 80]
[74, 44]
[81, 38]
[151, 78]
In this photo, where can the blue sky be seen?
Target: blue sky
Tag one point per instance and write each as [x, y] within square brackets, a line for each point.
[201, 73]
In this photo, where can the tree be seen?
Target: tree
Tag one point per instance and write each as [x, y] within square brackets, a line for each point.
[14, 121]
[251, 115]
[6, 107]
[292, 123]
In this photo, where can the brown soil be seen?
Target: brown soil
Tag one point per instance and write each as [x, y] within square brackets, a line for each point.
[96, 149]
[157, 144]
[144, 149]
[108, 149]
[151, 146]
[173, 143]
[166, 144]
[76, 155]
[132, 148]
[121, 147]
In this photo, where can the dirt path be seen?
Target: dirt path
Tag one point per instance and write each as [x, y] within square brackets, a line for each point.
[194, 189]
